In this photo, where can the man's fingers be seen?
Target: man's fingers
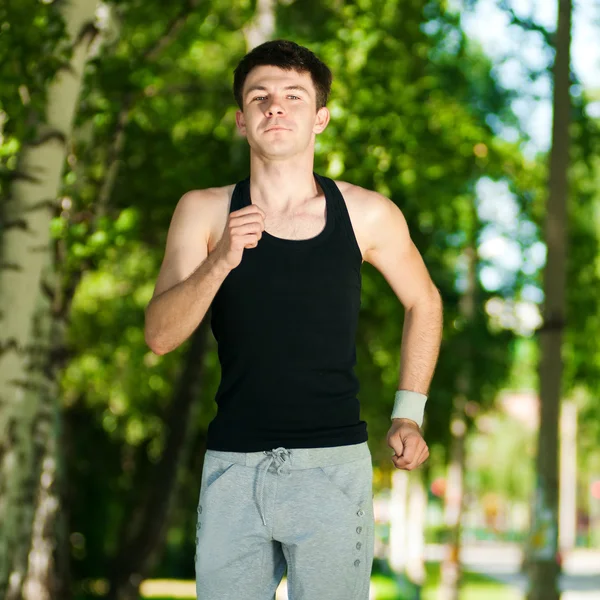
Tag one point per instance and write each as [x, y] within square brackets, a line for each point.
[420, 459]
[249, 209]
[411, 448]
[395, 443]
[414, 454]
[401, 462]
[406, 454]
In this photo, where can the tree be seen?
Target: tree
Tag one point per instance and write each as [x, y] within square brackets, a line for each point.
[454, 491]
[29, 429]
[543, 546]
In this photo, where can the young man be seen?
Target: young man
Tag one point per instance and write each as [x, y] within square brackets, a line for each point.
[287, 476]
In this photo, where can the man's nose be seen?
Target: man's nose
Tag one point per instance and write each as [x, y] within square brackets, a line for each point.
[275, 108]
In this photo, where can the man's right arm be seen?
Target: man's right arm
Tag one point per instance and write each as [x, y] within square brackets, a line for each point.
[189, 277]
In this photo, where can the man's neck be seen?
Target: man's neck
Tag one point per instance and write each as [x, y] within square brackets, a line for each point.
[280, 186]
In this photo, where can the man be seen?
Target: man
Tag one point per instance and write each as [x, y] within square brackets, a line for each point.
[287, 475]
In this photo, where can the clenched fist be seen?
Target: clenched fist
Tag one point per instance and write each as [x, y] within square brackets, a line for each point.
[243, 230]
[408, 444]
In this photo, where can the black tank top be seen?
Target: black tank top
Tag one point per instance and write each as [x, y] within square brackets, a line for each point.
[285, 322]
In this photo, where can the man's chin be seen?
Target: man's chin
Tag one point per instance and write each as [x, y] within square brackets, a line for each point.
[277, 152]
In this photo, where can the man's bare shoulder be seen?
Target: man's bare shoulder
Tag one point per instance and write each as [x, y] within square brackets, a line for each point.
[209, 207]
[374, 217]
[207, 204]
[362, 203]
[206, 197]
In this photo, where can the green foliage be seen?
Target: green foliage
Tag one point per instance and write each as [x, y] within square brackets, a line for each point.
[403, 123]
[31, 53]
[416, 115]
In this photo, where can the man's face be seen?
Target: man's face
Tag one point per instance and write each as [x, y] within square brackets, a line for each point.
[280, 118]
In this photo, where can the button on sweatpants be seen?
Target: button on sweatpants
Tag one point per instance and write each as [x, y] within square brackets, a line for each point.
[307, 510]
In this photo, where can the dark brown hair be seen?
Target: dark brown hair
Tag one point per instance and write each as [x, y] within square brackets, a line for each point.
[285, 55]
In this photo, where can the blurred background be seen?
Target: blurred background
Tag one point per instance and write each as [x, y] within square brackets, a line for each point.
[479, 118]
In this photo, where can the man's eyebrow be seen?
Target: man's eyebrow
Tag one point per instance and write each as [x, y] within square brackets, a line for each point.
[262, 88]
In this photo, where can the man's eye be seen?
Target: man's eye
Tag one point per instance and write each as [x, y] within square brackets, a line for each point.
[263, 97]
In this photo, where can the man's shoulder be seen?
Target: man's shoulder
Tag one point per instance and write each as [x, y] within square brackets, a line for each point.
[362, 201]
[208, 208]
[212, 195]
[207, 203]
[349, 189]
[372, 215]
[359, 193]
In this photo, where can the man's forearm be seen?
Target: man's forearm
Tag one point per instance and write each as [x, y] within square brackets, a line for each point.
[421, 340]
[173, 316]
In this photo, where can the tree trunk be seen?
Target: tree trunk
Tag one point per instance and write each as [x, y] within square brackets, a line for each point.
[135, 557]
[543, 566]
[262, 26]
[398, 514]
[453, 508]
[29, 411]
[415, 547]
[567, 529]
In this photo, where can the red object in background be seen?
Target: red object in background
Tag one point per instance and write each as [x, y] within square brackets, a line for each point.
[595, 489]
[438, 487]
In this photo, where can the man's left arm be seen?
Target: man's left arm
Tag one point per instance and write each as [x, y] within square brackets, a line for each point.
[391, 251]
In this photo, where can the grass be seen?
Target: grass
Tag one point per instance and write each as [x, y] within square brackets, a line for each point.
[475, 587]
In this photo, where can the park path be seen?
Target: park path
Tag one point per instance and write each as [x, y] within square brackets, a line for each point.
[580, 579]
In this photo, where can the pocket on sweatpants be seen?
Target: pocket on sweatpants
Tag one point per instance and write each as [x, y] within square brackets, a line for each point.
[351, 481]
[214, 471]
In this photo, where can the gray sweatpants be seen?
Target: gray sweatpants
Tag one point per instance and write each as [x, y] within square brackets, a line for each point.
[307, 509]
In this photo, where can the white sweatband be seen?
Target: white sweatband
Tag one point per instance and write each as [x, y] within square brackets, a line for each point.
[409, 405]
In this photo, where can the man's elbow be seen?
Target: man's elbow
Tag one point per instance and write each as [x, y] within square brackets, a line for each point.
[430, 300]
[155, 346]
[436, 302]
[157, 341]
[153, 342]
[151, 334]
[435, 297]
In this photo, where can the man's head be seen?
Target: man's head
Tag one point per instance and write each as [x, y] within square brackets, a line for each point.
[282, 89]
[288, 56]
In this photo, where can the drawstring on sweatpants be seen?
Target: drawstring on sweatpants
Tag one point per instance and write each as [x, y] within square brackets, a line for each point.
[281, 455]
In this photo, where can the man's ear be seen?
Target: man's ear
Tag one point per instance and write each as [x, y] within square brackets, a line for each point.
[240, 121]
[322, 120]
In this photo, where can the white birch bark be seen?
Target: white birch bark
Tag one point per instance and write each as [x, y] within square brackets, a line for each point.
[29, 408]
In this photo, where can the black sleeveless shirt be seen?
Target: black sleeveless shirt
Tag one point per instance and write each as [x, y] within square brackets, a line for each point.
[285, 322]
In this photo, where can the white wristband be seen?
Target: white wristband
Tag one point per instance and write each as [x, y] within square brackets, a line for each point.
[409, 405]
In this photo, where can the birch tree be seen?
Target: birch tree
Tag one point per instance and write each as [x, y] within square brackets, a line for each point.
[29, 414]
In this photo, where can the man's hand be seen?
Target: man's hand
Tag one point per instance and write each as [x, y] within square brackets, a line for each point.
[407, 442]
